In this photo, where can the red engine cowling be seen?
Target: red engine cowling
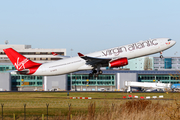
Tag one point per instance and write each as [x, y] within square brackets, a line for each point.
[118, 62]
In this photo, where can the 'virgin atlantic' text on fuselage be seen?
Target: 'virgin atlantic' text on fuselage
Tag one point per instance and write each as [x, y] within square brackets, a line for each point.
[131, 47]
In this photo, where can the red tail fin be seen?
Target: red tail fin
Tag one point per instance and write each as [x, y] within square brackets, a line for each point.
[19, 61]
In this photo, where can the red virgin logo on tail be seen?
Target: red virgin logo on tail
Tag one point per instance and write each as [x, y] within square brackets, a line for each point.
[20, 65]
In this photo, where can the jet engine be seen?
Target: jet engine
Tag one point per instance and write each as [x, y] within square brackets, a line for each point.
[118, 62]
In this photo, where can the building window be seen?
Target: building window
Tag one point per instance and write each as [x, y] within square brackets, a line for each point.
[43, 53]
[31, 83]
[168, 63]
[55, 58]
[39, 83]
[39, 77]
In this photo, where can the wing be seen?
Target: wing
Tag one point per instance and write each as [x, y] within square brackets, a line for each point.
[94, 61]
[25, 71]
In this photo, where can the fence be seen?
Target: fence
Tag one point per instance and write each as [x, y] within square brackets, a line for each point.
[23, 109]
[31, 115]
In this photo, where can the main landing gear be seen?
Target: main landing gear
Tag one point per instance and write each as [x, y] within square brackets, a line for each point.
[161, 56]
[95, 73]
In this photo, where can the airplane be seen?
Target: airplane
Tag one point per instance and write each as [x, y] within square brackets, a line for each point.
[147, 86]
[113, 57]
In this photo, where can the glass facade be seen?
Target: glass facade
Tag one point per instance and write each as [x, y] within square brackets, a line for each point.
[25, 80]
[141, 63]
[84, 80]
[167, 63]
[22, 80]
[6, 68]
[81, 78]
[162, 78]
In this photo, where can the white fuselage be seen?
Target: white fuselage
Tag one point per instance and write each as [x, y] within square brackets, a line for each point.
[130, 51]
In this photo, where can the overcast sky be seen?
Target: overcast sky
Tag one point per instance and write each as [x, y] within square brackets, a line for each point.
[88, 26]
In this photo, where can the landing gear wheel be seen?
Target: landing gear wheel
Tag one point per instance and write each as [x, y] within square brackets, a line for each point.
[90, 75]
[96, 75]
[100, 72]
[161, 56]
[94, 71]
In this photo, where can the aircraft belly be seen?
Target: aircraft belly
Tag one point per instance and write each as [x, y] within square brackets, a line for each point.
[154, 49]
[72, 67]
[85, 67]
[142, 52]
[132, 54]
[58, 70]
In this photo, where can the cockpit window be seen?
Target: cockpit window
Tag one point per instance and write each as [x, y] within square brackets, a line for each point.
[169, 39]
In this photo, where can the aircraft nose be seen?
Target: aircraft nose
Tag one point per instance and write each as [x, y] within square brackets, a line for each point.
[173, 42]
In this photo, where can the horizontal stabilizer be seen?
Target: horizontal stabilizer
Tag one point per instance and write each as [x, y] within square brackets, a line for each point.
[80, 54]
[23, 72]
[59, 56]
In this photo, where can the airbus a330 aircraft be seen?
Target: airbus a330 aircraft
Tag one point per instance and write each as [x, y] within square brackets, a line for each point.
[114, 57]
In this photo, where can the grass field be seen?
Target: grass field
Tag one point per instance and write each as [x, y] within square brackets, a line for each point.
[101, 105]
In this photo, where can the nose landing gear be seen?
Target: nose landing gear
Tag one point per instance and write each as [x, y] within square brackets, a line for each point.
[161, 56]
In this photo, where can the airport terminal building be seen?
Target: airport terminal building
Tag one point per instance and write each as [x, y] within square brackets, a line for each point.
[23, 82]
[144, 69]
[110, 80]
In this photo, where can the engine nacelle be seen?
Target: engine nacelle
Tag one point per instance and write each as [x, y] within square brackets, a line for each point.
[119, 62]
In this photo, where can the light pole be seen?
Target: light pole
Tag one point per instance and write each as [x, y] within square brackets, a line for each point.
[71, 81]
[71, 73]
[71, 52]
[75, 82]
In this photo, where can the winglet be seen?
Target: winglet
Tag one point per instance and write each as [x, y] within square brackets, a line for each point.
[80, 54]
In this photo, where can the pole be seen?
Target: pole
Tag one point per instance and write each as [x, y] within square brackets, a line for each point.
[69, 114]
[24, 111]
[75, 83]
[47, 110]
[45, 83]
[2, 110]
[14, 116]
[42, 116]
[71, 81]
[71, 73]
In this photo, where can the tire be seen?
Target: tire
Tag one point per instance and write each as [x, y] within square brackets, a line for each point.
[96, 75]
[94, 71]
[161, 56]
[100, 71]
[90, 75]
